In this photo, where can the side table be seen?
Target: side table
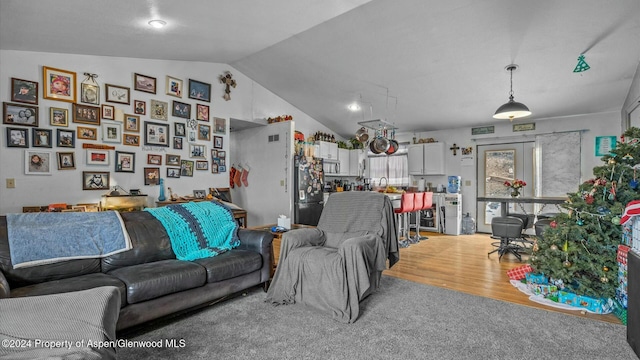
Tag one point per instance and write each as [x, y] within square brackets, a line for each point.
[275, 244]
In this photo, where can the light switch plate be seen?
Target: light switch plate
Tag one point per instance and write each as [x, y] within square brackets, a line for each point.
[11, 183]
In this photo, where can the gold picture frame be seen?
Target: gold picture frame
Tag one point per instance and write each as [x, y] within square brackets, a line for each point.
[59, 84]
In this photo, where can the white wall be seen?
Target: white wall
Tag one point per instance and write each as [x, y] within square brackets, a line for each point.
[596, 125]
[249, 101]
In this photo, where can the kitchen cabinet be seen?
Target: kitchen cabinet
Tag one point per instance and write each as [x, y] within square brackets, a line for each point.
[426, 159]
[354, 162]
[327, 150]
[344, 162]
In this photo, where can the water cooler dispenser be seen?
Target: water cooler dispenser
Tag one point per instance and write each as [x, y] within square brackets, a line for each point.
[453, 207]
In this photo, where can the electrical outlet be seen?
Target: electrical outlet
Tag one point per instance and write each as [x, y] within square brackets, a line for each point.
[467, 183]
[281, 182]
[11, 183]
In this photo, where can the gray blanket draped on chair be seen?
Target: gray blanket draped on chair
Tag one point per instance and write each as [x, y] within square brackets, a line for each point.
[334, 266]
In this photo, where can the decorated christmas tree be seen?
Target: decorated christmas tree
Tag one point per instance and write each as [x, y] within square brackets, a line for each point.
[578, 251]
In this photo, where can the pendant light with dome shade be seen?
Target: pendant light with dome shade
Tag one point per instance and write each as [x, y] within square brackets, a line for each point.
[512, 109]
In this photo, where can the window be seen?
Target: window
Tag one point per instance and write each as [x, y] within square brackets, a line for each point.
[393, 167]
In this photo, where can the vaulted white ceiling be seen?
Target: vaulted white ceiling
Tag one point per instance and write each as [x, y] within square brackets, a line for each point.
[419, 64]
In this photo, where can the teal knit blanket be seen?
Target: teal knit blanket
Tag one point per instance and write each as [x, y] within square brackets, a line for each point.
[198, 229]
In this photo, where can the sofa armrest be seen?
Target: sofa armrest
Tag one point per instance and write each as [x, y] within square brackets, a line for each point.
[5, 291]
[260, 242]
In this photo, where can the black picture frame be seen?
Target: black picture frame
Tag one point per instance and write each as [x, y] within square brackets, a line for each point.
[156, 134]
[217, 142]
[95, 180]
[181, 110]
[17, 137]
[179, 129]
[125, 161]
[16, 114]
[41, 138]
[66, 138]
[199, 90]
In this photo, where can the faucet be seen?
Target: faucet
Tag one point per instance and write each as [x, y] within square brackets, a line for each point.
[386, 182]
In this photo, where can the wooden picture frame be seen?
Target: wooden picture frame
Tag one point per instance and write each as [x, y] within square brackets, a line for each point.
[151, 176]
[130, 139]
[220, 125]
[24, 91]
[58, 84]
[90, 93]
[214, 168]
[159, 110]
[66, 160]
[117, 94]
[181, 110]
[199, 90]
[144, 83]
[154, 159]
[156, 134]
[204, 132]
[172, 160]
[97, 157]
[174, 86]
[197, 151]
[20, 114]
[58, 117]
[173, 173]
[17, 137]
[131, 123]
[202, 112]
[66, 138]
[139, 107]
[111, 132]
[108, 112]
[87, 133]
[179, 129]
[177, 143]
[41, 138]
[186, 167]
[217, 142]
[125, 161]
[37, 162]
[86, 114]
[202, 165]
[95, 180]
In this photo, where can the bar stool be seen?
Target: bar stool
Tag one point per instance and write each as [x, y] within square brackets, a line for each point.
[418, 203]
[426, 205]
[406, 206]
[507, 229]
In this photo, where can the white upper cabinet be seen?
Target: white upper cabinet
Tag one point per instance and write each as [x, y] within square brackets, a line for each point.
[426, 159]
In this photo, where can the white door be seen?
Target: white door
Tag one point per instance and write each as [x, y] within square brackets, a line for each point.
[499, 163]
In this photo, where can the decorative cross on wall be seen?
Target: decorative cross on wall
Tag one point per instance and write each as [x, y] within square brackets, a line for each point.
[228, 82]
[455, 149]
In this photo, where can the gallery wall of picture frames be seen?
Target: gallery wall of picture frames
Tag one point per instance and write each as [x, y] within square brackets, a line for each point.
[113, 123]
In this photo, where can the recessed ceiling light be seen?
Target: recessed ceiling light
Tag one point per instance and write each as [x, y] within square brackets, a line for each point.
[157, 23]
[353, 107]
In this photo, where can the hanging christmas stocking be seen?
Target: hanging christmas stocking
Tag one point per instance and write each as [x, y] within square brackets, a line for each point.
[245, 175]
[232, 174]
[238, 177]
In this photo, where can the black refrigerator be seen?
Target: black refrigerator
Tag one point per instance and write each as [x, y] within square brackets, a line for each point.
[307, 195]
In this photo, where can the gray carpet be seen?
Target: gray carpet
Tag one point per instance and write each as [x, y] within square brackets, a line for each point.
[403, 320]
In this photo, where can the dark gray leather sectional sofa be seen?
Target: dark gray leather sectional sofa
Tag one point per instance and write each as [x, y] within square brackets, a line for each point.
[152, 282]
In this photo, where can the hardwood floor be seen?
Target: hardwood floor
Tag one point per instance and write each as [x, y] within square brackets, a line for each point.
[460, 263]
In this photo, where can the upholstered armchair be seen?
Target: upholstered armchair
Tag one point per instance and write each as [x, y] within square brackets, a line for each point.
[334, 266]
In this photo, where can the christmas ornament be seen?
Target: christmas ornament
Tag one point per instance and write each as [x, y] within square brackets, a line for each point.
[603, 210]
[633, 183]
[579, 222]
[604, 268]
[612, 161]
[554, 247]
[615, 220]
[604, 279]
[612, 192]
[627, 157]
[566, 263]
[589, 199]
[565, 247]
[535, 247]
[553, 224]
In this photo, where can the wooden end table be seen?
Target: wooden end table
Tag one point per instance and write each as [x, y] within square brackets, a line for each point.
[275, 244]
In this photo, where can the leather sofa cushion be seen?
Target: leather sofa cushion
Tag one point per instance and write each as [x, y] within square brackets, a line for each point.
[230, 264]
[152, 280]
[38, 274]
[149, 240]
[75, 283]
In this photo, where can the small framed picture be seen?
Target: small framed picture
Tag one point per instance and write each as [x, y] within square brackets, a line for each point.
[95, 180]
[66, 160]
[222, 154]
[108, 112]
[111, 132]
[214, 154]
[58, 116]
[151, 175]
[199, 194]
[174, 86]
[204, 132]
[173, 173]
[199, 90]
[18, 114]
[87, 133]
[85, 114]
[131, 123]
[173, 160]
[17, 137]
[181, 110]
[97, 157]
[192, 135]
[202, 112]
[59, 84]
[222, 168]
[202, 165]
[37, 162]
[214, 168]
[139, 107]
[125, 161]
[156, 134]
[90, 93]
[179, 129]
[66, 138]
[144, 83]
[186, 168]
[130, 139]
[41, 138]
[153, 159]
[197, 151]
[177, 143]
[24, 91]
[220, 125]
[159, 110]
[217, 142]
[117, 94]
